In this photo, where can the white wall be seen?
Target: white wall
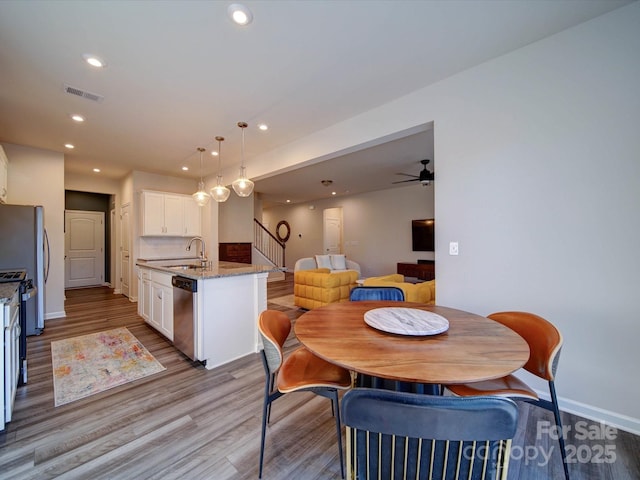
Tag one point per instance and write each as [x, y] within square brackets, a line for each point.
[538, 178]
[235, 220]
[376, 225]
[539, 181]
[92, 183]
[555, 128]
[36, 177]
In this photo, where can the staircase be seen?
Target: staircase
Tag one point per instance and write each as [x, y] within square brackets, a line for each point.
[267, 249]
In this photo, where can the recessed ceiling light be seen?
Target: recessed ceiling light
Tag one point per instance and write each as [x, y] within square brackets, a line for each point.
[333, 193]
[69, 146]
[97, 170]
[240, 14]
[185, 168]
[288, 201]
[214, 153]
[264, 127]
[94, 61]
[77, 118]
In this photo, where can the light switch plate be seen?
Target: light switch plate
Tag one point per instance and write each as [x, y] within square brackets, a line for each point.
[453, 248]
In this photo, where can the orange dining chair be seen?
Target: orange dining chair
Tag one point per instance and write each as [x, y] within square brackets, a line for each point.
[300, 371]
[545, 342]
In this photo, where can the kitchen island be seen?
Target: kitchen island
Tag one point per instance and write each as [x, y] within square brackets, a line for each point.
[227, 300]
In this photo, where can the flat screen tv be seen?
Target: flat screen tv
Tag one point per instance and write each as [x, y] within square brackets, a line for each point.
[422, 235]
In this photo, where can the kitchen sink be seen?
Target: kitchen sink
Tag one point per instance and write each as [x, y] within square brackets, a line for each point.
[195, 266]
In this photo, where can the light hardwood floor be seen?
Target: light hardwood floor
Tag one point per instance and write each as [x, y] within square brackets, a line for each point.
[191, 423]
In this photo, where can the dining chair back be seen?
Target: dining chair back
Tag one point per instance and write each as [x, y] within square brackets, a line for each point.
[376, 293]
[545, 343]
[301, 370]
[411, 436]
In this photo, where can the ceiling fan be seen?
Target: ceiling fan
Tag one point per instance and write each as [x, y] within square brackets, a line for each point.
[424, 178]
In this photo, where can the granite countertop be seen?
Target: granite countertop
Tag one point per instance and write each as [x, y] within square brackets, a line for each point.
[7, 290]
[190, 268]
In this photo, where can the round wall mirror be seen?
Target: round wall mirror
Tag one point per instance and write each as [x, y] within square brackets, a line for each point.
[283, 231]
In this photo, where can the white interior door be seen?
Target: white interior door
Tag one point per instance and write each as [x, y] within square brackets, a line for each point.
[84, 248]
[125, 245]
[113, 257]
[332, 230]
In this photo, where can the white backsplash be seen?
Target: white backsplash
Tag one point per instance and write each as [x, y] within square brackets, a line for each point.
[166, 247]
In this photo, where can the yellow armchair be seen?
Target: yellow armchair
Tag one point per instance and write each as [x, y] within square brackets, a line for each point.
[424, 292]
[319, 286]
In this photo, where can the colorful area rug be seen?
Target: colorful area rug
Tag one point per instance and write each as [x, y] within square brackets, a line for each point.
[284, 301]
[89, 364]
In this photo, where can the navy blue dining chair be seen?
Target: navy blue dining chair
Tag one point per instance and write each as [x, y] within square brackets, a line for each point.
[414, 436]
[361, 293]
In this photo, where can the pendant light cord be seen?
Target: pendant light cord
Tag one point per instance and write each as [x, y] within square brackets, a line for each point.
[200, 149]
[219, 139]
[242, 126]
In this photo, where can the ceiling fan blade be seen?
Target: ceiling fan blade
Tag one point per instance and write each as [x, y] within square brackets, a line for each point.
[407, 175]
[410, 180]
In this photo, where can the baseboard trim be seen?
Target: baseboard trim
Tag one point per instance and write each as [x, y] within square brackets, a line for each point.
[597, 414]
[52, 315]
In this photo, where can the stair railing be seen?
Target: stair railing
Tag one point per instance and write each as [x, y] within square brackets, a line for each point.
[267, 244]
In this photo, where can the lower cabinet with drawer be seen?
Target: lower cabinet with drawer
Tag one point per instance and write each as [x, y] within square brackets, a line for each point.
[156, 300]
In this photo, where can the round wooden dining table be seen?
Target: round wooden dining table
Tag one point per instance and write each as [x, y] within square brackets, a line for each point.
[474, 348]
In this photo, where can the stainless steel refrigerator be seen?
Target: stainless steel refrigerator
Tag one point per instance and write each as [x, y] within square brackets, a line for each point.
[24, 245]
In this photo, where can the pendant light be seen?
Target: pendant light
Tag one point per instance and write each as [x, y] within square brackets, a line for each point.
[242, 185]
[201, 197]
[220, 193]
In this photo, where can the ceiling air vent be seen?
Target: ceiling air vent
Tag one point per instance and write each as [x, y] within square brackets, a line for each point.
[83, 93]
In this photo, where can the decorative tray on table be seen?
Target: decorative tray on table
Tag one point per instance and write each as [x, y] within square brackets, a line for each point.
[406, 321]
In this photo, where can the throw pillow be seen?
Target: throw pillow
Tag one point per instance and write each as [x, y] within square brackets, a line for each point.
[338, 262]
[323, 261]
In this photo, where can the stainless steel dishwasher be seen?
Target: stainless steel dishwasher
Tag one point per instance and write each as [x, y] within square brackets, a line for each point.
[184, 296]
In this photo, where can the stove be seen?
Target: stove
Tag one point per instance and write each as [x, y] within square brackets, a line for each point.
[16, 333]
[7, 276]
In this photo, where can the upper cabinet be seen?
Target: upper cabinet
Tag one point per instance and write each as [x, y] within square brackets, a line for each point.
[4, 175]
[192, 218]
[169, 215]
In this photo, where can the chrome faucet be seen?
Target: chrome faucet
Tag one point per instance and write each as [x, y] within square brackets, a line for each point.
[203, 248]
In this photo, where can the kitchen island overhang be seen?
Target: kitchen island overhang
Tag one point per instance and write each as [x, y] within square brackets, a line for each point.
[226, 305]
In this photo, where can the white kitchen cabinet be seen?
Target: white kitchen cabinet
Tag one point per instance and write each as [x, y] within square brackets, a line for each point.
[156, 300]
[169, 215]
[152, 213]
[157, 306]
[4, 175]
[174, 215]
[144, 293]
[192, 218]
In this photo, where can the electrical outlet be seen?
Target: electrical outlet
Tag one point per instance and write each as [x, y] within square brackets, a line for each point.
[453, 248]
